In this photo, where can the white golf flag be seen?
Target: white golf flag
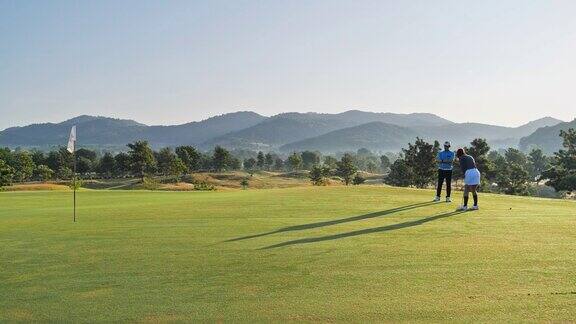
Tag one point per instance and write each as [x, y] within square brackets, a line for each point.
[72, 140]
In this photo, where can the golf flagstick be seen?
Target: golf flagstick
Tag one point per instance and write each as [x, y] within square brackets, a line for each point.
[72, 149]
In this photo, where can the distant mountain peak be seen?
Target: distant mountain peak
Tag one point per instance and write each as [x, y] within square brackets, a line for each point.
[544, 121]
[88, 118]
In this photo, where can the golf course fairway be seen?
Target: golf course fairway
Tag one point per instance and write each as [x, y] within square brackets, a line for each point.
[328, 254]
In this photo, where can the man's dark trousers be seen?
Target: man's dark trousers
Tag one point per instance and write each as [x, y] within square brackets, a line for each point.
[444, 174]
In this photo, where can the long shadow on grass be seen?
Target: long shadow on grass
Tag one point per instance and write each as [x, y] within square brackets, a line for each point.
[334, 222]
[364, 231]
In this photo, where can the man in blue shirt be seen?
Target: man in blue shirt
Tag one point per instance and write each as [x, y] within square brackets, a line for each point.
[445, 160]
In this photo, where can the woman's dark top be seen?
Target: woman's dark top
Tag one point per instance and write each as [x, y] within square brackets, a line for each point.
[466, 163]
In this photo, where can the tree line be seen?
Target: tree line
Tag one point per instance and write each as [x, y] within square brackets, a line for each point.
[142, 161]
[508, 171]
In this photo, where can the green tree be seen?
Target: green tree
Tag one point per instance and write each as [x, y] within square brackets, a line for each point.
[562, 173]
[371, 167]
[122, 164]
[249, 164]
[190, 156]
[366, 160]
[38, 157]
[142, 160]
[269, 160]
[87, 154]
[400, 174]
[516, 156]
[107, 165]
[6, 174]
[59, 159]
[309, 159]
[177, 167]
[318, 175]
[345, 168]
[220, 159]
[83, 165]
[5, 154]
[234, 163]
[385, 163]
[538, 163]
[260, 160]
[295, 161]
[23, 166]
[330, 162]
[65, 173]
[420, 157]
[513, 179]
[43, 173]
[165, 159]
[358, 179]
[278, 164]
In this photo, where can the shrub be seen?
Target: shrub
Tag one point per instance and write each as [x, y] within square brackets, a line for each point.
[244, 183]
[150, 183]
[203, 186]
[358, 179]
[76, 184]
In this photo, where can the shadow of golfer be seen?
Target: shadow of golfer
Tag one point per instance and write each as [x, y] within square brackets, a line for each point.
[335, 222]
[364, 231]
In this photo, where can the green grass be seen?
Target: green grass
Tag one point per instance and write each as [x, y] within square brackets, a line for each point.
[301, 254]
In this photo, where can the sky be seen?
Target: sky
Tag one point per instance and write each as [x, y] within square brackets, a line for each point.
[502, 62]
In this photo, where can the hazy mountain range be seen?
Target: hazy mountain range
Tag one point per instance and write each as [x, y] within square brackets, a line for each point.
[287, 132]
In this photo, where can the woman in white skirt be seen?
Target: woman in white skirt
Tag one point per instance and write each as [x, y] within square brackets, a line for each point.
[471, 178]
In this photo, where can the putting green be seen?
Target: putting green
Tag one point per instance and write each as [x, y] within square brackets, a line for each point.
[367, 253]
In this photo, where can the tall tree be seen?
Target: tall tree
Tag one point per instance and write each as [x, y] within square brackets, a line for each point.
[538, 163]
[165, 160]
[420, 157]
[43, 173]
[86, 153]
[249, 164]
[38, 157]
[6, 174]
[318, 175]
[516, 156]
[345, 168]
[260, 160]
[60, 159]
[177, 167]
[220, 159]
[142, 160]
[562, 173]
[310, 159]
[385, 163]
[400, 174]
[512, 179]
[83, 165]
[234, 163]
[278, 164]
[122, 164]
[190, 156]
[23, 166]
[106, 165]
[330, 162]
[269, 160]
[295, 161]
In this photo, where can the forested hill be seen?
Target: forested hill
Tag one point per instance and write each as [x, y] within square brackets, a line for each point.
[547, 138]
[349, 130]
[104, 131]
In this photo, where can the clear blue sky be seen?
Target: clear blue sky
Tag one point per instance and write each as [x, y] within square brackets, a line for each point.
[165, 62]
